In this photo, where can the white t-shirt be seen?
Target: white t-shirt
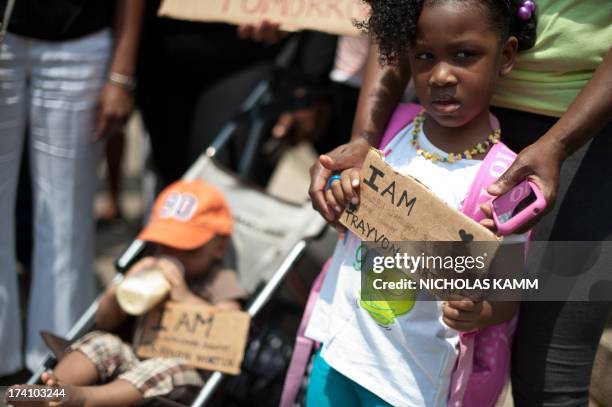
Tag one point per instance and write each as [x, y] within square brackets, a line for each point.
[404, 353]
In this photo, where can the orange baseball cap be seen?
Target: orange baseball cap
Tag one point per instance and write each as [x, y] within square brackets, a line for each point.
[187, 214]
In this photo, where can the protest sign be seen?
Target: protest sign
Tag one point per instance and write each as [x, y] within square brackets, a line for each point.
[332, 16]
[398, 214]
[203, 337]
[396, 207]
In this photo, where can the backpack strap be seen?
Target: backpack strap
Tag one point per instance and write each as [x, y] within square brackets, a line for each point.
[496, 162]
[303, 346]
[463, 369]
[402, 115]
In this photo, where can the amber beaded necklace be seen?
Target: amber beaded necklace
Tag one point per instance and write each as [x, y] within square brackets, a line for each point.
[480, 148]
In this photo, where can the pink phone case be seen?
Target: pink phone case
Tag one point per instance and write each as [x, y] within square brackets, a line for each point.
[504, 206]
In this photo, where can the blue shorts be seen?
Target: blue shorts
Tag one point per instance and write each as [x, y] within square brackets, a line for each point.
[327, 387]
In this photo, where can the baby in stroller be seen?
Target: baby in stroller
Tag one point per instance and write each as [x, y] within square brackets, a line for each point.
[191, 226]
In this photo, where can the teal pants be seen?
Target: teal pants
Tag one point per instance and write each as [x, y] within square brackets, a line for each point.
[327, 387]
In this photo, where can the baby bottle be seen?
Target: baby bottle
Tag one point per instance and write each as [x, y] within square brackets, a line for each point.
[142, 291]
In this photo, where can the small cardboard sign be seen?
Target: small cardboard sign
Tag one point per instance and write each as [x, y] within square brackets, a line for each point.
[203, 337]
[332, 16]
[401, 215]
[396, 207]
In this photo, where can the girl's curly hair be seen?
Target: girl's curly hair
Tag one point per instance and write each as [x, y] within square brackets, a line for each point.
[393, 23]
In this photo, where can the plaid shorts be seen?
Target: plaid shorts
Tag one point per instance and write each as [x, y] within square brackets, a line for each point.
[115, 359]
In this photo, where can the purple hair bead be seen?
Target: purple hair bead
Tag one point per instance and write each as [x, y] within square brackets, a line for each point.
[526, 9]
[524, 13]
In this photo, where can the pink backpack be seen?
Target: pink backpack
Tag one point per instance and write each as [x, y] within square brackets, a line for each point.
[483, 363]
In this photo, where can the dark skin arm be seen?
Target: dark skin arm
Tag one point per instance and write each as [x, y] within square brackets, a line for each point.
[109, 315]
[541, 161]
[116, 103]
[180, 291]
[381, 91]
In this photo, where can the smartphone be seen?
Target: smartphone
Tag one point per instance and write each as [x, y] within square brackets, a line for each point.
[517, 207]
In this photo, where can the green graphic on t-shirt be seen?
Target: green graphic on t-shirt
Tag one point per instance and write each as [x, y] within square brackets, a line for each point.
[385, 305]
[361, 255]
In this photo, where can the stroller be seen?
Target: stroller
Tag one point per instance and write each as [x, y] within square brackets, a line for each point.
[270, 235]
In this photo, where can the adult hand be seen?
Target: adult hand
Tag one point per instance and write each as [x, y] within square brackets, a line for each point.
[539, 162]
[347, 156]
[265, 31]
[114, 108]
[303, 124]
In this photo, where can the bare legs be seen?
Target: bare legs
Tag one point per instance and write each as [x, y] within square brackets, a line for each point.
[75, 368]
[79, 376]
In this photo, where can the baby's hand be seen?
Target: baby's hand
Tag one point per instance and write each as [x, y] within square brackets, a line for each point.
[141, 264]
[227, 306]
[174, 273]
[462, 315]
[344, 190]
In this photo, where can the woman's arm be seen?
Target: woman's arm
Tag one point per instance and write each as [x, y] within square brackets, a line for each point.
[381, 91]
[116, 99]
[588, 113]
[128, 23]
[542, 160]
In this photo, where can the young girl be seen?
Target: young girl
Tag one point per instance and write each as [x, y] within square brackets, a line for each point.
[456, 51]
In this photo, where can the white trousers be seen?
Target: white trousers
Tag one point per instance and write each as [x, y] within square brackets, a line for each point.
[54, 86]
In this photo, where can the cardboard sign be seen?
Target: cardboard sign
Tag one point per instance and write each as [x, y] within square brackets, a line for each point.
[332, 16]
[396, 207]
[401, 215]
[202, 337]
